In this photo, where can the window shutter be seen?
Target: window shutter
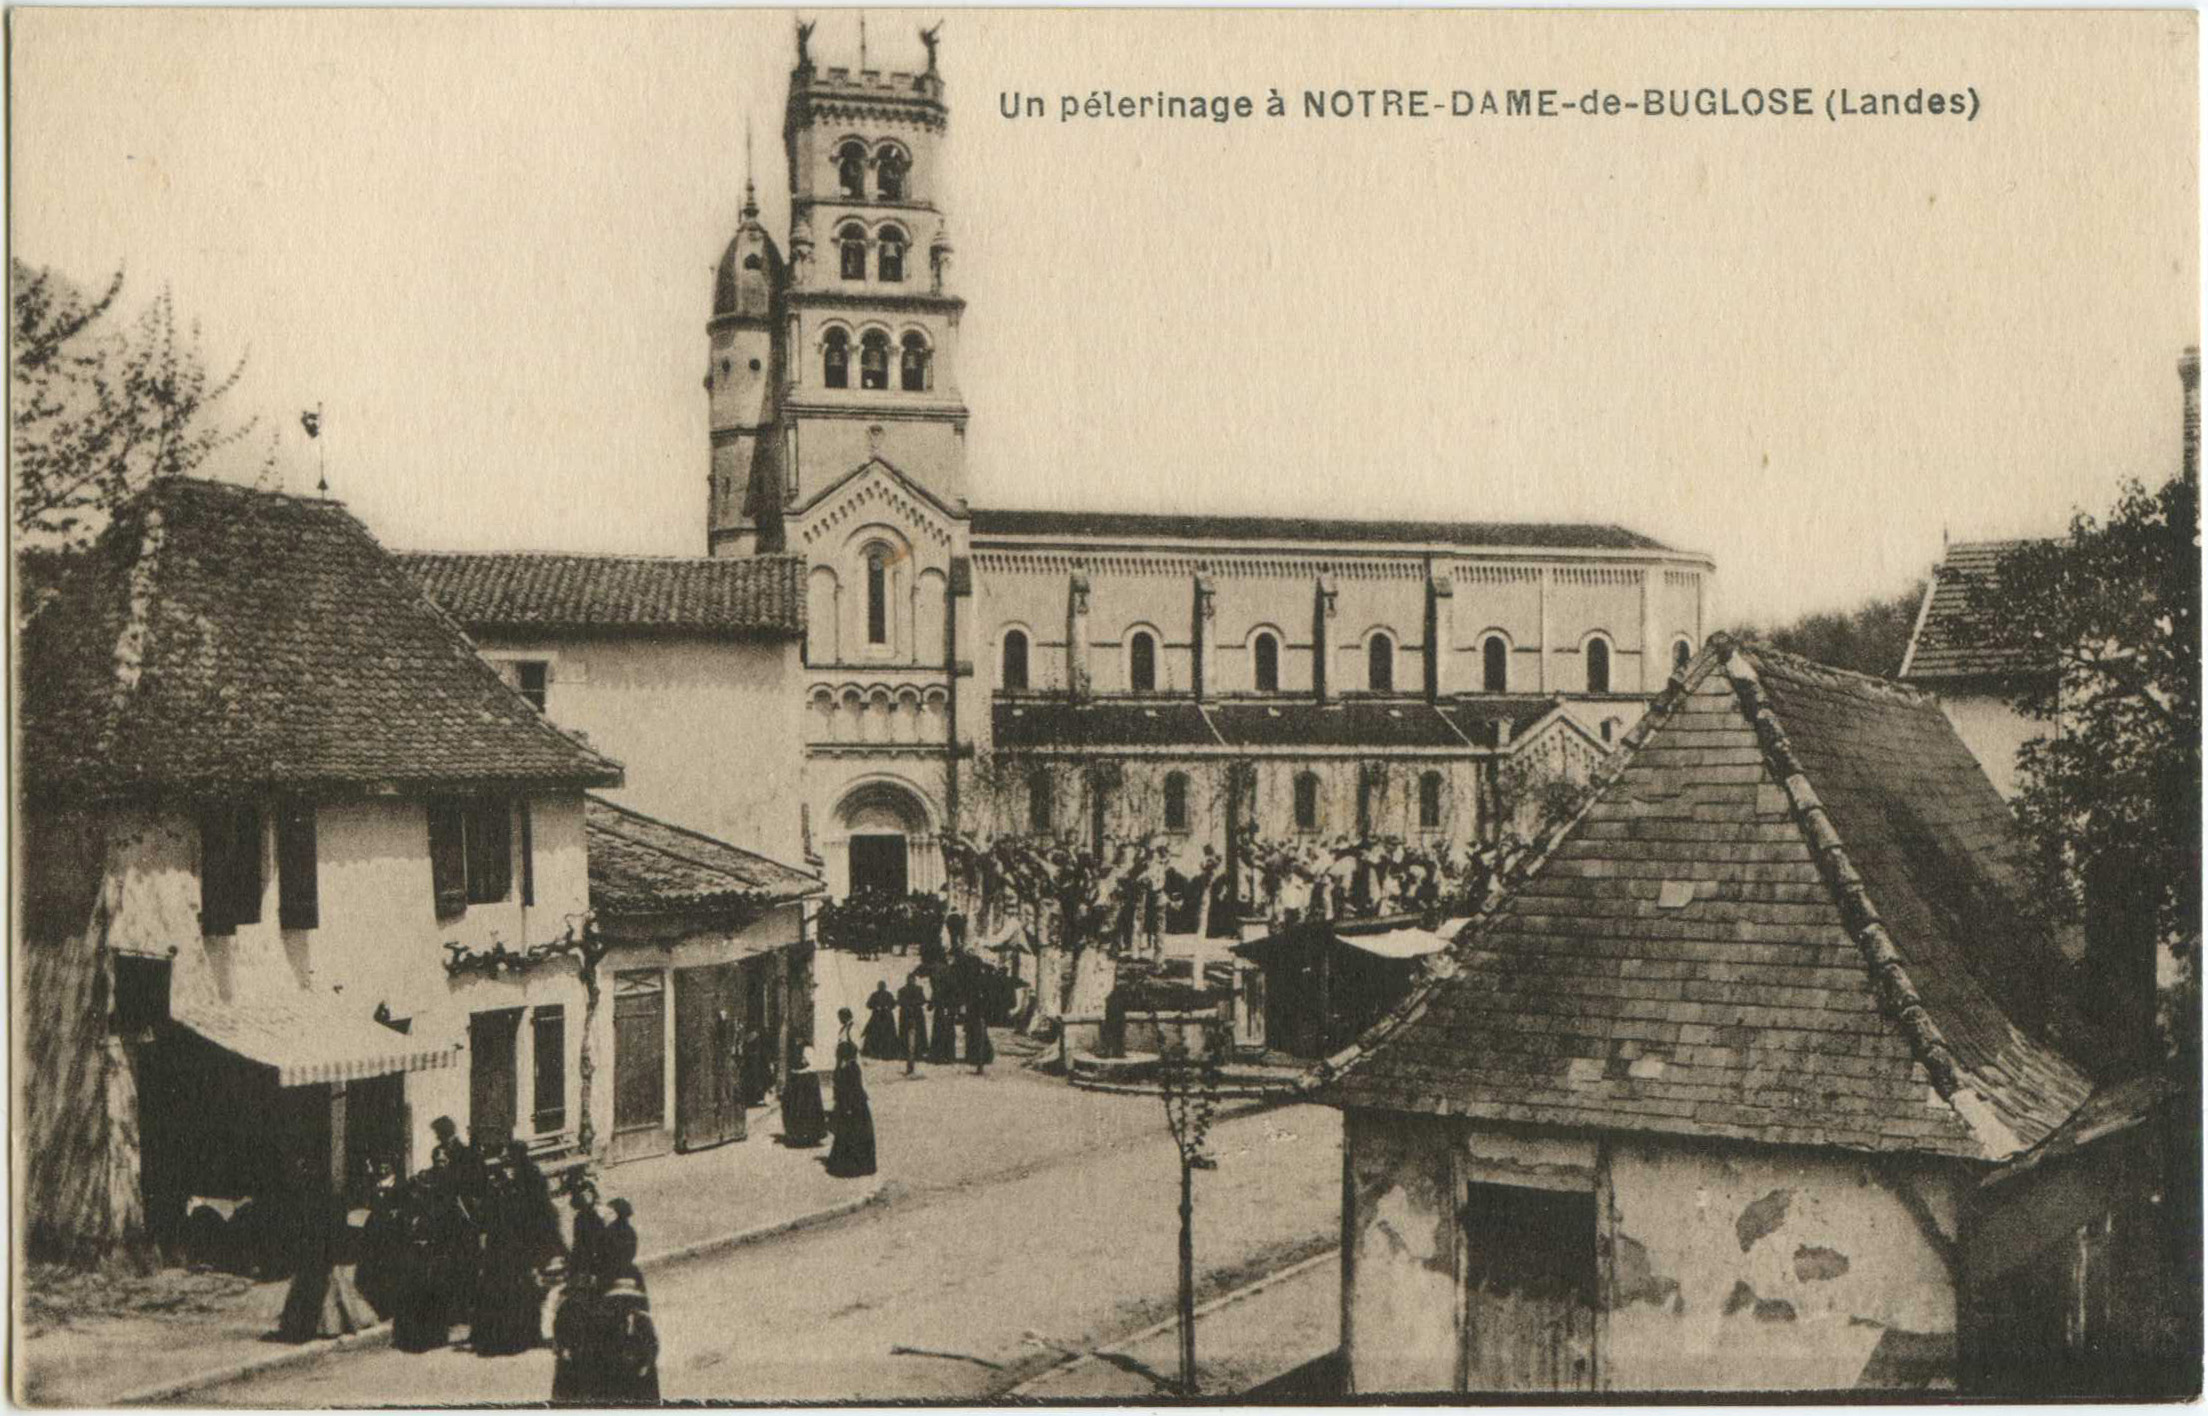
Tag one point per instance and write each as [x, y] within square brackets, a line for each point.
[298, 893]
[528, 859]
[448, 865]
[490, 856]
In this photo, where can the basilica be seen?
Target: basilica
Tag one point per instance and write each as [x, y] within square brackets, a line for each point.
[991, 669]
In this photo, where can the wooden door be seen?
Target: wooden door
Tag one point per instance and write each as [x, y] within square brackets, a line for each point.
[639, 1064]
[878, 865]
[706, 1031]
[1529, 1277]
[492, 1092]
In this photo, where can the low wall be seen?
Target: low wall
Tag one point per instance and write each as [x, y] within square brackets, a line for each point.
[1146, 1032]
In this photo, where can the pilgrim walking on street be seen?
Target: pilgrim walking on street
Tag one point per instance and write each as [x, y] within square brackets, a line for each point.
[852, 1154]
[944, 1025]
[912, 1020]
[804, 1120]
[880, 1038]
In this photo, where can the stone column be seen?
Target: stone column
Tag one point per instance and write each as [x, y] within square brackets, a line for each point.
[1199, 640]
[1322, 646]
[1441, 634]
[1077, 635]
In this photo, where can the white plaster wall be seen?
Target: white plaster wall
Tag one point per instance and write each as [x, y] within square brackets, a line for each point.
[1815, 1253]
[1399, 1255]
[378, 939]
[709, 733]
[1993, 731]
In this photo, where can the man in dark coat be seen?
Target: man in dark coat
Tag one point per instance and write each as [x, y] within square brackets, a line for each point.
[944, 1025]
[583, 1269]
[912, 1020]
[617, 1251]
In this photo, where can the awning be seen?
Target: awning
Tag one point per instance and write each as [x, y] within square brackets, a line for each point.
[307, 1038]
[1397, 943]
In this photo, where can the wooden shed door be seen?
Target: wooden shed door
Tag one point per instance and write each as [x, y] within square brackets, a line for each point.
[708, 1020]
[639, 1064]
[1529, 1275]
[491, 1086]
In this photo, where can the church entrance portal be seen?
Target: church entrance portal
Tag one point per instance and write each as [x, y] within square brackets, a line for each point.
[878, 865]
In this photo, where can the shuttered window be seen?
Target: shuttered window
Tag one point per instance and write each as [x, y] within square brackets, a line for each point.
[298, 890]
[229, 868]
[548, 1095]
[471, 854]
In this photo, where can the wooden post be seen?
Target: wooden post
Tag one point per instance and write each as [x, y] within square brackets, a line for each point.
[1188, 1275]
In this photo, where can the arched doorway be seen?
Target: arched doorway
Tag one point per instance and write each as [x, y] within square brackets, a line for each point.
[882, 822]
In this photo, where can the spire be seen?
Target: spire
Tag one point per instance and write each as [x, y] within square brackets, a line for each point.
[751, 193]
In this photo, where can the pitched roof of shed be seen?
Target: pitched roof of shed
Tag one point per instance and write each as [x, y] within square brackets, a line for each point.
[748, 596]
[217, 638]
[1787, 916]
[1950, 641]
[1152, 526]
[641, 865]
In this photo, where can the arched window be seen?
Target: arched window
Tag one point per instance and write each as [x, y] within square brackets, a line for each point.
[851, 168]
[1598, 665]
[892, 261]
[1014, 677]
[835, 359]
[889, 174]
[1176, 801]
[851, 241]
[1307, 801]
[1265, 654]
[913, 362]
[877, 596]
[1681, 652]
[1429, 802]
[1038, 803]
[874, 359]
[1142, 662]
[1380, 663]
[1495, 664]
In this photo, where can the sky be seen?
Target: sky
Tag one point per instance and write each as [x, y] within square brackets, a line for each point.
[483, 243]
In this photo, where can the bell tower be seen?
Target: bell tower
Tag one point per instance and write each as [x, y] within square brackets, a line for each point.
[870, 317]
[743, 376]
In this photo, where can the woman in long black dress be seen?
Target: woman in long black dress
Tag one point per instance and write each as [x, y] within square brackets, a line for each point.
[880, 1038]
[853, 1120]
[509, 1304]
[434, 1231]
[804, 1120]
[944, 1025]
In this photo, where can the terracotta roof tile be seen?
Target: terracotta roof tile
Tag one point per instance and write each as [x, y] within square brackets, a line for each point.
[643, 866]
[218, 638]
[1950, 639]
[748, 596]
[1821, 945]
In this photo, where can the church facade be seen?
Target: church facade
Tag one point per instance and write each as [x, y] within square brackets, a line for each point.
[990, 669]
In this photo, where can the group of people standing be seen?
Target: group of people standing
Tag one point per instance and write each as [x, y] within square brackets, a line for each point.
[899, 1026]
[476, 1239]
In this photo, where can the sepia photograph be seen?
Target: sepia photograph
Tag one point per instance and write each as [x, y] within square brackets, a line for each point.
[1135, 707]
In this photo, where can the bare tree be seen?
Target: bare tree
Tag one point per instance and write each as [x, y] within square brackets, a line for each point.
[99, 413]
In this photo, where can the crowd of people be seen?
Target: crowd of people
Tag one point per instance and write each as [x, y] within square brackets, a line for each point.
[476, 1239]
[924, 1023]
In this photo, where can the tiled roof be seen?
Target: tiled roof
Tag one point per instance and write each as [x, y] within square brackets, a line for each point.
[1478, 718]
[639, 865]
[218, 638]
[1950, 638]
[1547, 535]
[759, 596]
[1347, 722]
[1045, 724]
[1787, 916]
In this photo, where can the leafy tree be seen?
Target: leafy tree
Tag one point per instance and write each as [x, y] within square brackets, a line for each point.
[98, 412]
[1870, 639]
[2113, 795]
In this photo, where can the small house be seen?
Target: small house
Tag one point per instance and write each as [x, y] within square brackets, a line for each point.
[271, 802]
[709, 971]
[1702, 1098]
